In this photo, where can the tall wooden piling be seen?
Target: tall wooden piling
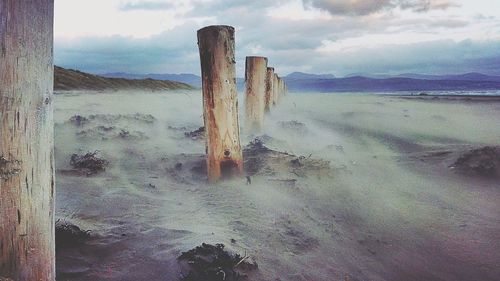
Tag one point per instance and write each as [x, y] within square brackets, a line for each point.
[275, 89]
[27, 245]
[255, 91]
[268, 101]
[220, 102]
[280, 88]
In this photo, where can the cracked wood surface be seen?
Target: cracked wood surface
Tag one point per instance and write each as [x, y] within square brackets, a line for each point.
[26, 140]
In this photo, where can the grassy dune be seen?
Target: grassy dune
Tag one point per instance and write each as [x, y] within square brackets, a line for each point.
[69, 79]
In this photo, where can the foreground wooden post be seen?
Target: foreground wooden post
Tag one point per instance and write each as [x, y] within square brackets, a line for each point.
[27, 245]
[255, 91]
[269, 89]
[220, 102]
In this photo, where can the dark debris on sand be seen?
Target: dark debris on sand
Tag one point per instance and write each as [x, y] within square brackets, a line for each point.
[213, 263]
[111, 133]
[259, 160]
[68, 234]
[197, 134]
[483, 162]
[89, 163]
[294, 126]
[262, 160]
[111, 118]
[79, 120]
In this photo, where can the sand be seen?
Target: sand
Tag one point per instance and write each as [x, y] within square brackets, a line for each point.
[390, 206]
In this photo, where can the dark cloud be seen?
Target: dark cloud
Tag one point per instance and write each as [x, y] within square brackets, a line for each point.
[173, 51]
[348, 7]
[176, 52]
[366, 7]
[435, 57]
[290, 45]
[145, 5]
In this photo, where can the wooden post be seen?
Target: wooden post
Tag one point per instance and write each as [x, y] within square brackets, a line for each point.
[269, 89]
[275, 89]
[280, 88]
[283, 86]
[27, 245]
[255, 90]
[220, 102]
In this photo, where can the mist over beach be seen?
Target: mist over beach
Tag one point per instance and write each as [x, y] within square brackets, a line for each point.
[389, 205]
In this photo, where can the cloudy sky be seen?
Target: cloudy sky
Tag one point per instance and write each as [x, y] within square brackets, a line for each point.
[340, 37]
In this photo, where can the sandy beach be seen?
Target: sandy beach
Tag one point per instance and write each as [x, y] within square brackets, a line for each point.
[392, 203]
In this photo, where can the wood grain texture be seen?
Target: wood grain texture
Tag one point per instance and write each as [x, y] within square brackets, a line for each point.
[220, 102]
[269, 89]
[255, 90]
[275, 89]
[27, 250]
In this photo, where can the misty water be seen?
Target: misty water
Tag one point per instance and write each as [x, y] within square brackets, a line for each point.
[388, 208]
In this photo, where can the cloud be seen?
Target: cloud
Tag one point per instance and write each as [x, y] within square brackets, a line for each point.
[426, 5]
[433, 57]
[351, 7]
[173, 51]
[176, 51]
[366, 7]
[145, 6]
[387, 41]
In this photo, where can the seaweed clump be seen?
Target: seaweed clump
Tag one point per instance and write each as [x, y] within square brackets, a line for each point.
[261, 160]
[197, 134]
[78, 120]
[68, 234]
[212, 263]
[89, 163]
[294, 127]
[483, 162]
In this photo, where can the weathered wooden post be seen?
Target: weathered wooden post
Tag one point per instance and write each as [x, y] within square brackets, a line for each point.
[280, 88]
[269, 89]
[275, 89]
[220, 102]
[255, 90]
[27, 245]
[283, 86]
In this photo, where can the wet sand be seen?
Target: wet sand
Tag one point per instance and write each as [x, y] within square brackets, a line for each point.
[389, 208]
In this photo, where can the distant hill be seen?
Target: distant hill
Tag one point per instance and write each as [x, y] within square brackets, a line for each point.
[69, 79]
[365, 84]
[190, 79]
[473, 76]
[461, 77]
[302, 75]
[361, 82]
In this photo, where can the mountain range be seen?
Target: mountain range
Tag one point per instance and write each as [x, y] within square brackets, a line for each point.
[306, 82]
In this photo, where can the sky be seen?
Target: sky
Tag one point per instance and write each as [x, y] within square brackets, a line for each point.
[340, 37]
